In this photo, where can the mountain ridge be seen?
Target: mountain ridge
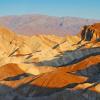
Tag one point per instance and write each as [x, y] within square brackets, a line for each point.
[43, 24]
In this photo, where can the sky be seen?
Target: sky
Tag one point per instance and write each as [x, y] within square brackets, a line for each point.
[62, 8]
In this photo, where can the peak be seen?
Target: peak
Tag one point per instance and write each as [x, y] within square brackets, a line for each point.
[6, 34]
[95, 26]
[5, 30]
[90, 32]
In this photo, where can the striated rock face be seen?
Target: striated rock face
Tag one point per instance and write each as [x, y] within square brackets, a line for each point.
[49, 67]
[91, 32]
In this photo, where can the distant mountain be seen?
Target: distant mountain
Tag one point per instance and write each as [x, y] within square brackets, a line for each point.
[42, 24]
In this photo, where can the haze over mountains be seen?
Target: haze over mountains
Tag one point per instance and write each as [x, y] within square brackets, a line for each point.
[42, 24]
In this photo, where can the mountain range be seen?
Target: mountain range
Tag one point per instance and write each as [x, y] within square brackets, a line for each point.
[43, 24]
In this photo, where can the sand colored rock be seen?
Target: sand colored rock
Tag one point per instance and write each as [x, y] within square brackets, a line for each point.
[43, 67]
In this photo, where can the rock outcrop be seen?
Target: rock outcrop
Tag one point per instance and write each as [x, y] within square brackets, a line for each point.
[91, 32]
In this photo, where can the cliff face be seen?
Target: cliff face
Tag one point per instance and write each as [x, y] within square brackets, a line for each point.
[91, 32]
[49, 67]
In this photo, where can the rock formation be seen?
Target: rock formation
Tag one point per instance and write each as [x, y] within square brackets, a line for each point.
[91, 32]
[49, 67]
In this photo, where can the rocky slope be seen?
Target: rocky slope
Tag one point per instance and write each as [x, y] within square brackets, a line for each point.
[49, 67]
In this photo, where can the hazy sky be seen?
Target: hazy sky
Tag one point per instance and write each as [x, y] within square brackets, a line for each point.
[74, 8]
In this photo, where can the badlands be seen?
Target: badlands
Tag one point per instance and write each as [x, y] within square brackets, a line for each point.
[50, 67]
